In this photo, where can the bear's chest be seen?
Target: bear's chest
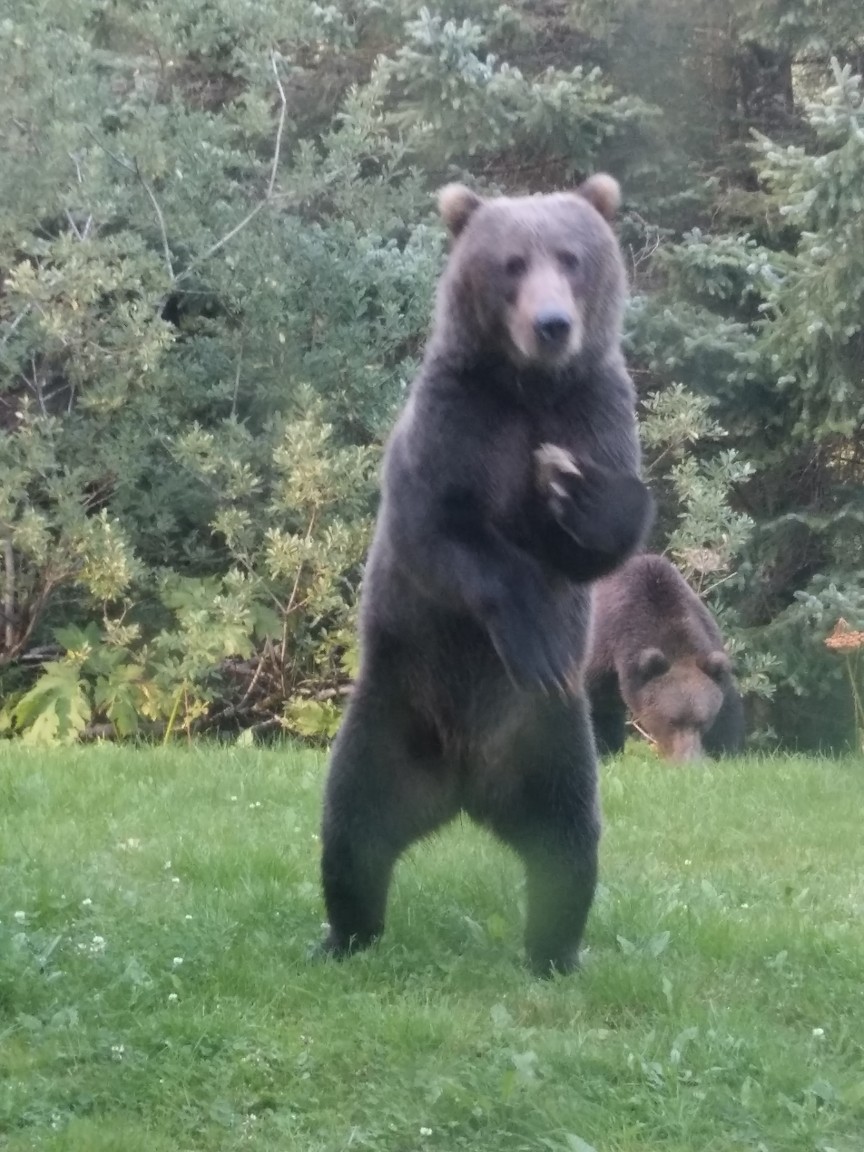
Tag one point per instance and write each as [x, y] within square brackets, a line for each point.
[507, 467]
[509, 448]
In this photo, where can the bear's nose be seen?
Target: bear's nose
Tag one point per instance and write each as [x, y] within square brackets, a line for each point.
[552, 326]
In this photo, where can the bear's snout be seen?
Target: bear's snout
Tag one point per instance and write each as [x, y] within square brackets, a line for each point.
[545, 321]
[552, 327]
[682, 746]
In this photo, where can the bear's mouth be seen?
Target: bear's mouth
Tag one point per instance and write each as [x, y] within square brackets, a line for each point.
[682, 746]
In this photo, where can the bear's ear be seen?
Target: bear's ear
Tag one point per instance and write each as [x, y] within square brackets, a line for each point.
[717, 665]
[604, 192]
[457, 204]
[651, 663]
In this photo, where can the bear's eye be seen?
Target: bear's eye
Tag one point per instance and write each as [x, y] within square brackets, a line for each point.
[650, 664]
[515, 266]
[568, 261]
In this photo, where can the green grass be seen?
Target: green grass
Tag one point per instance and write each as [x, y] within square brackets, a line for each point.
[156, 909]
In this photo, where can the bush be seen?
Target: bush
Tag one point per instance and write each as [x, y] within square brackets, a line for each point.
[218, 258]
[218, 253]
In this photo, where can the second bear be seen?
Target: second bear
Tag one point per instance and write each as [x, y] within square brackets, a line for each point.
[657, 652]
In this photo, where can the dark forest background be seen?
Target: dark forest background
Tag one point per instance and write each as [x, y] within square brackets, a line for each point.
[218, 249]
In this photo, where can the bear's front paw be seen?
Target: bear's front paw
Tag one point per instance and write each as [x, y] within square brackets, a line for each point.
[555, 466]
[555, 472]
[604, 512]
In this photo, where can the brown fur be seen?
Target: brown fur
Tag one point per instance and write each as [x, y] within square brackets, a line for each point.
[511, 482]
[500, 260]
[657, 650]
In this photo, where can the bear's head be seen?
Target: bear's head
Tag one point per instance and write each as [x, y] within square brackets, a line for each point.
[675, 701]
[537, 278]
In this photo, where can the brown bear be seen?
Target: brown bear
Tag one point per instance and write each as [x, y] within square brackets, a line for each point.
[656, 651]
[510, 482]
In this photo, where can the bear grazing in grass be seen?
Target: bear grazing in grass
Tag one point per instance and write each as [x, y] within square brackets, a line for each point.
[511, 480]
[657, 652]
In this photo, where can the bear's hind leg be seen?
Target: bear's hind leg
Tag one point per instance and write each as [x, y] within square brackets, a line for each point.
[561, 873]
[550, 816]
[608, 713]
[386, 788]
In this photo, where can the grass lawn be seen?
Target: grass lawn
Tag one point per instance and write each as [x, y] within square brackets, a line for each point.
[156, 909]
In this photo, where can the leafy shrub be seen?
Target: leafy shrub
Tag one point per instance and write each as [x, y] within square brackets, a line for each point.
[217, 258]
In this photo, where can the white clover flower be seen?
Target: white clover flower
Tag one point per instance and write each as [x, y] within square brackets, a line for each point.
[177, 961]
[19, 917]
[95, 947]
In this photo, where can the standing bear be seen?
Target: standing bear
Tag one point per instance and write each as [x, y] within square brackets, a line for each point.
[657, 652]
[510, 482]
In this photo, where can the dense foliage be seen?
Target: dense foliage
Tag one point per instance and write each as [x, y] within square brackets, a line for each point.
[217, 255]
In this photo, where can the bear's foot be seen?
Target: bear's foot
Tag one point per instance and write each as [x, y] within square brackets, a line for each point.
[545, 965]
[336, 947]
